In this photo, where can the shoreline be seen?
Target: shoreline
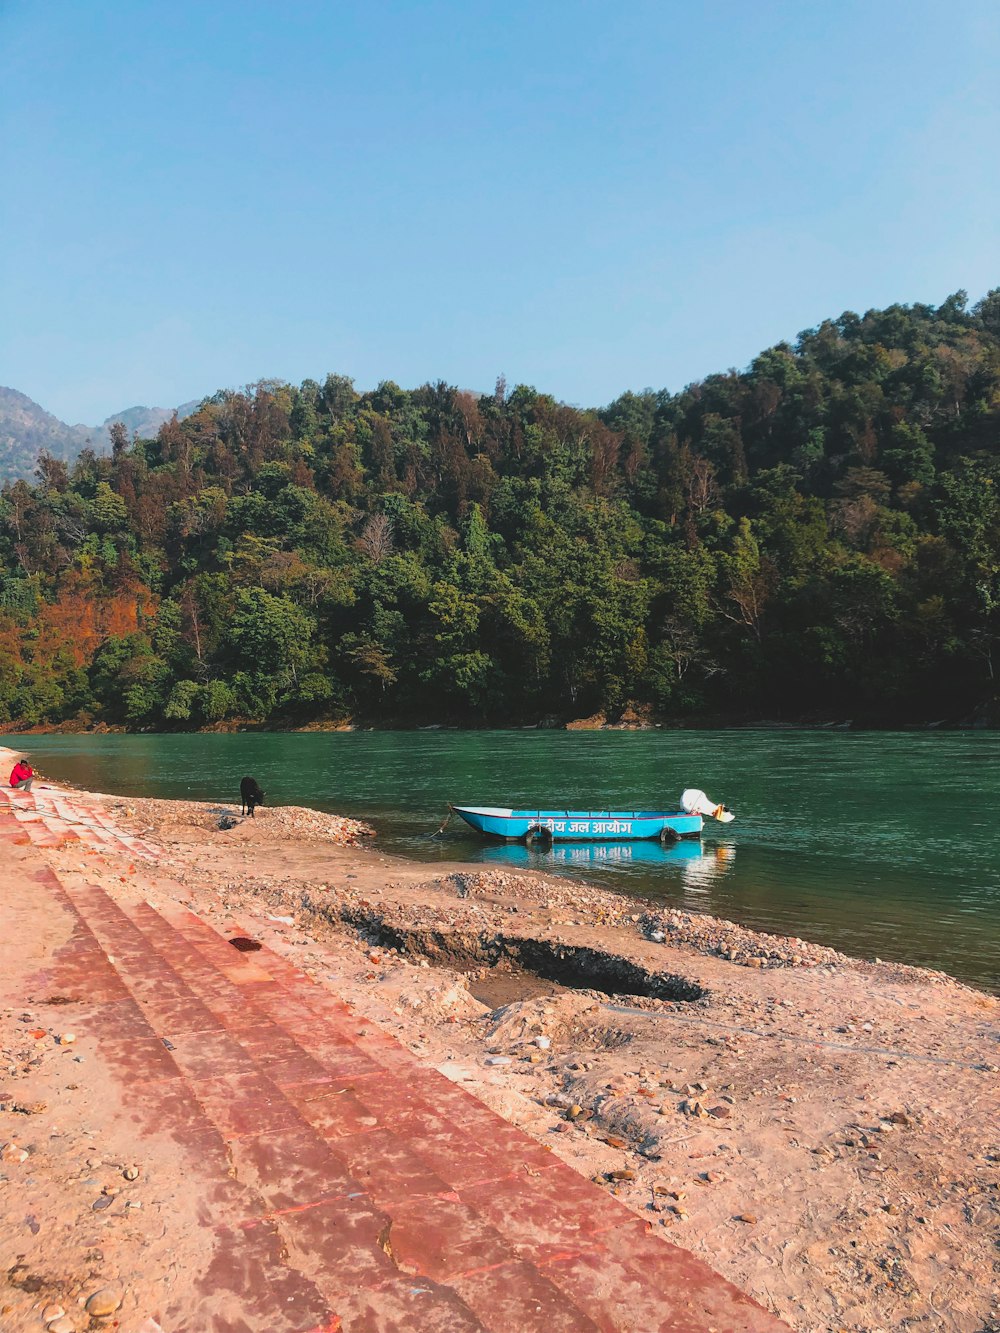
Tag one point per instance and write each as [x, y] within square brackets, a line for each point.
[819, 1128]
[984, 718]
[896, 948]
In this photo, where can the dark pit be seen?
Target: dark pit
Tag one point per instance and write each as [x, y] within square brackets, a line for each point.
[518, 968]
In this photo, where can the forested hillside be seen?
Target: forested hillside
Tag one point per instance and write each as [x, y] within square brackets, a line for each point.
[816, 536]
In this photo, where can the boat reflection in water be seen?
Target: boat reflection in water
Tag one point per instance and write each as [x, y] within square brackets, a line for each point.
[702, 875]
[699, 866]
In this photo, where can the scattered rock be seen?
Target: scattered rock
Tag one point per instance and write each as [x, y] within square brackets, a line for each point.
[104, 1302]
[13, 1152]
[749, 1218]
[131, 1173]
[22, 1108]
[695, 1108]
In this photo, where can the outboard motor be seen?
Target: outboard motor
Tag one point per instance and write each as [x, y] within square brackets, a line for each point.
[695, 802]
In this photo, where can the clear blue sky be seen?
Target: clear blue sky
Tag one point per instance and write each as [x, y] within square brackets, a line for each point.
[585, 196]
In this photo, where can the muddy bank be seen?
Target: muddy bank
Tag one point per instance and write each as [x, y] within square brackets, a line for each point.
[823, 1131]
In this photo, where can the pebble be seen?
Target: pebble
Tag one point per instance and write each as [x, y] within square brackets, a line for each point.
[13, 1152]
[693, 1107]
[52, 1312]
[131, 1173]
[498, 1060]
[104, 1302]
[66, 1039]
[543, 1043]
[62, 1325]
[749, 1218]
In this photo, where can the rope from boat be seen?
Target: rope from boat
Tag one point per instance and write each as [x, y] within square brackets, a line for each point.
[447, 821]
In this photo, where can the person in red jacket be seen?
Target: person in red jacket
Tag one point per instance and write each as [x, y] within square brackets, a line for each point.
[21, 776]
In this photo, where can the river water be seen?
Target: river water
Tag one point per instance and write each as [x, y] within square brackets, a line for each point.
[877, 843]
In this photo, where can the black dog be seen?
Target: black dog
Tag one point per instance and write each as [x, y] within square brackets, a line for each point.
[251, 796]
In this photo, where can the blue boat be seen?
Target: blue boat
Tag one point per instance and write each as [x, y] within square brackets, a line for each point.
[579, 825]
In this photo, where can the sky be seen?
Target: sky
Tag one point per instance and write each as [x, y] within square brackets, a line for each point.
[587, 197]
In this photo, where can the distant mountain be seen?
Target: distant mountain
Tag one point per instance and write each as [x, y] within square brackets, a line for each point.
[146, 421]
[27, 430]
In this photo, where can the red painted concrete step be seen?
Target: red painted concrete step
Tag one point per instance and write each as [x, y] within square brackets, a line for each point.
[53, 818]
[380, 1193]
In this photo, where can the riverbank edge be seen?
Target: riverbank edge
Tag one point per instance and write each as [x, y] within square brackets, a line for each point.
[699, 1126]
[772, 950]
[276, 727]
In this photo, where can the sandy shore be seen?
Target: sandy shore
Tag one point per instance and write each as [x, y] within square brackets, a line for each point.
[824, 1132]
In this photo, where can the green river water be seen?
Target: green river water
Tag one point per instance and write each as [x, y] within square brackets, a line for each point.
[878, 843]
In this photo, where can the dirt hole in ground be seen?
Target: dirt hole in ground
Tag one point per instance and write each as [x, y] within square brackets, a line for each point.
[503, 968]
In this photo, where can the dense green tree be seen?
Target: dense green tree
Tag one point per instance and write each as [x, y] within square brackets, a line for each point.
[820, 531]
